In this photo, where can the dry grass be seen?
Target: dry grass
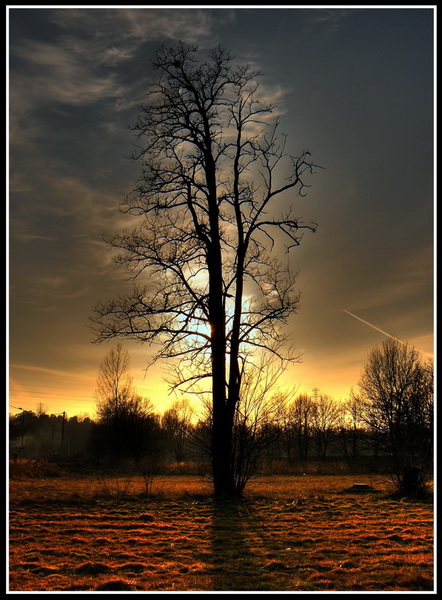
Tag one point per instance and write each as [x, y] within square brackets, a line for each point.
[288, 534]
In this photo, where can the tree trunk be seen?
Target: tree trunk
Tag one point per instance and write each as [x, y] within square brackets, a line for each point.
[223, 476]
[222, 427]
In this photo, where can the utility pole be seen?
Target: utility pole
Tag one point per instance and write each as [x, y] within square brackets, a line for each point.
[316, 395]
[22, 430]
[52, 439]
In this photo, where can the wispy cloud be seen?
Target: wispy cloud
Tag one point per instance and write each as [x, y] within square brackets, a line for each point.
[125, 28]
[46, 371]
[329, 19]
[81, 65]
[56, 73]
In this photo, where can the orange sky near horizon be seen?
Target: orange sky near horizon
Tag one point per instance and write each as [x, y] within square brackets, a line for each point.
[58, 391]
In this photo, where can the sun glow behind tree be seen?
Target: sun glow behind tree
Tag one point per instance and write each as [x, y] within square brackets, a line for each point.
[205, 235]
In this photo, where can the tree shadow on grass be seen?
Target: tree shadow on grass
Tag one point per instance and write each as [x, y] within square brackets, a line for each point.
[239, 553]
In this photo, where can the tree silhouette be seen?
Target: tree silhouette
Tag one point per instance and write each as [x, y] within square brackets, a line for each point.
[213, 166]
[114, 384]
[297, 425]
[126, 425]
[396, 400]
[255, 415]
[176, 423]
[325, 417]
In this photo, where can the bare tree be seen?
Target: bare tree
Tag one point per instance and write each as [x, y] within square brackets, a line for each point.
[396, 400]
[351, 429]
[325, 417]
[255, 416]
[42, 409]
[127, 426]
[177, 423]
[114, 383]
[213, 167]
[300, 416]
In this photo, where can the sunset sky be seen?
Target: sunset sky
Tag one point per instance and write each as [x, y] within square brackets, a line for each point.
[354, 86]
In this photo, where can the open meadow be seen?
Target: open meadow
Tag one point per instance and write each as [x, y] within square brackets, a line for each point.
[289, 533]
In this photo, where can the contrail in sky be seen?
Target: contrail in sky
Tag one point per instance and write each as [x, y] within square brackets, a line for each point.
[374, 327]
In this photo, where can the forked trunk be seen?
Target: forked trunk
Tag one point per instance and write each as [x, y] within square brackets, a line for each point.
[223, 476]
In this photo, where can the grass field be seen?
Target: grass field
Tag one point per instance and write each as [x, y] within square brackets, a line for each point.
[289, 533]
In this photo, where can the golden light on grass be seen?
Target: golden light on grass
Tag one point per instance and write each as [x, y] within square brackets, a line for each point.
[290, 533]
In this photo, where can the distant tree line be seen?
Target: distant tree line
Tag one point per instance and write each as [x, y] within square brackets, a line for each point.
[387, 425]
[298, 432]
[301, 430]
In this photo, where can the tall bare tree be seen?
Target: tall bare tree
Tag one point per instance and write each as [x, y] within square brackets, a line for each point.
[126, 423]
[396, 401]
[114, 383]
[213, 166]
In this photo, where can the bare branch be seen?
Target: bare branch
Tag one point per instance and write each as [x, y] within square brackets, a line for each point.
[213, 164]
